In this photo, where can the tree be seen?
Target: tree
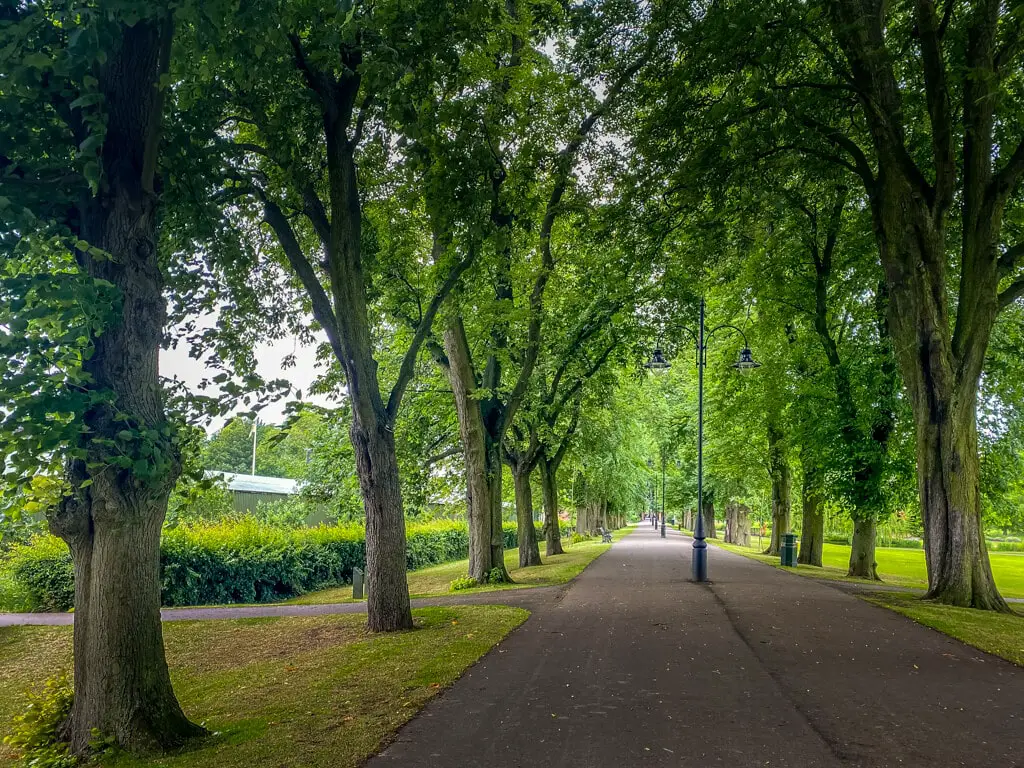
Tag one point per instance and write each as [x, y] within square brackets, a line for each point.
[81, 121]
[524, 207]
[921, 186]
[288, 119]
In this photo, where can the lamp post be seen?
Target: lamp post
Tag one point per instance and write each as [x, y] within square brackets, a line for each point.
[745, 362]
[663, 494]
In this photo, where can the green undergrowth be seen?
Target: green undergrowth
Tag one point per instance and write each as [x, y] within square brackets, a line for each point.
[282, 692]
[897, 566]
[1000, 634]
[238, 561]
[437, 580]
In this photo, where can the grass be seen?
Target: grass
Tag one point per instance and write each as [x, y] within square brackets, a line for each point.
[434, 581]
[997, 633]
[896, 566]
[311, 691]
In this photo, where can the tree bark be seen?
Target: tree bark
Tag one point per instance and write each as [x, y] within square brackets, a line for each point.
[709, 516]
[483, 462]
[730, 522]
[552, 528]
[812, 538]
[112, 527]
[862, 553]
[743, 525]
[781, 489]
[388, 606]
[529, 552]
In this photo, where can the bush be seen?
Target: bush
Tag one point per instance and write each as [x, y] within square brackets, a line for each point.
[234, 561]
[1005, 546]
[34, 732]
[41, 574]
[901, 543]
[463, 582]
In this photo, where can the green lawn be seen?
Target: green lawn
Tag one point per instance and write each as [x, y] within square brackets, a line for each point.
[902, 567]
[434, 581]
[313, 691]
[997, 633]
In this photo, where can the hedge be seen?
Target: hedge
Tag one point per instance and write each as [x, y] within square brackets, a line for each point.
[238, 562]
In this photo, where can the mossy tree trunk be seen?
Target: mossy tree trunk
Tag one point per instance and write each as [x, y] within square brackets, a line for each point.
[529, 552]
[812, 538]
[112, 522]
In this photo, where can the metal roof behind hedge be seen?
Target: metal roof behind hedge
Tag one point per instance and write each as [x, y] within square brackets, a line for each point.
[257, 483]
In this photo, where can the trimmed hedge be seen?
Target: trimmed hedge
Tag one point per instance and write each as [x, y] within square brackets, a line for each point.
[238, 562]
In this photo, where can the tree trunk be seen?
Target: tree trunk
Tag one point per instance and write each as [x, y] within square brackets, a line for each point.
[529, 552]
[112, 527]
[483, 463]
[731, 522]
[387, 604]
[813, 537]
[709, 517]
[862, 553]
[781, 489]
[552, 528]
[743, 525]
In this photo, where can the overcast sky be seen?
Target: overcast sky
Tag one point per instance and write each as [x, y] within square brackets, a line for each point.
[175, 363]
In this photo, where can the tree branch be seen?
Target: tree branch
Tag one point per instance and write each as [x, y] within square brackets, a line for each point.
[321, 304]
[1012, 292]
[408, 367]
[936, 90]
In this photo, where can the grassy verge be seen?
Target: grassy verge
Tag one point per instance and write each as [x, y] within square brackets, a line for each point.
[828, 572]
[896, 566]
[434, 581]
[997, 633]
[317, 691]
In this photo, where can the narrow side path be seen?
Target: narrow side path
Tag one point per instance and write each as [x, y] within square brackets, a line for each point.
[638, 666]
[527, 597]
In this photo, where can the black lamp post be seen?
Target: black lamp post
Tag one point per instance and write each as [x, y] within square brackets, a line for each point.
[745, 362]
[663, 494]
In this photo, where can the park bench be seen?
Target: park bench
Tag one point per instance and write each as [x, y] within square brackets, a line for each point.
[606, 535]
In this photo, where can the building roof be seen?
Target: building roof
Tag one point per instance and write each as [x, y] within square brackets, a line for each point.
[257, 483]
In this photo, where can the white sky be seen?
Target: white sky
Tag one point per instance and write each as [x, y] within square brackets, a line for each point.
[175, 363]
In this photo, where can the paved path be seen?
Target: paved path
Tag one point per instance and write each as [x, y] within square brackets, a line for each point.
[529, 597]
[637, 666]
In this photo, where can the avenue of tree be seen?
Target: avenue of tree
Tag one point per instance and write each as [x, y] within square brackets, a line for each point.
[486, 213]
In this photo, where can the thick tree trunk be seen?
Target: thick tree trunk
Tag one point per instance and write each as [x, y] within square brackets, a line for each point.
[812, 539]
[862, 553]
[781, 489]
[552, 528]
[529, 552]
[387, 605]
[959, 572]
[709, 517]
[122, 686]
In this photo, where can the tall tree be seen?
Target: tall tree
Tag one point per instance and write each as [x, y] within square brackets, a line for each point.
[81, 124]
[525, 206]
[288, 118]
[958, 169]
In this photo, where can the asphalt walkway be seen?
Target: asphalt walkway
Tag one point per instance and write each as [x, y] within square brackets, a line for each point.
[636, 666]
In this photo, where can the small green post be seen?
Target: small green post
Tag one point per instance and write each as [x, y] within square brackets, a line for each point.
[788, 552]
[357, 583]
